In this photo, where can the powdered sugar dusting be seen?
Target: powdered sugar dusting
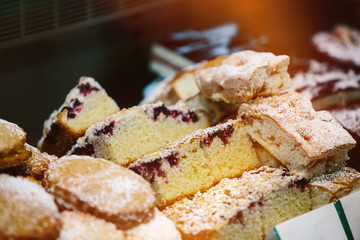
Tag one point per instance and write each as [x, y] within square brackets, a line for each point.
[11, 136]
[223, 202]
[101, 184]
[318, 133]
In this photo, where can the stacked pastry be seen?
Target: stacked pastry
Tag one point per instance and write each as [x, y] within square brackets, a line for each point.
[161, 171]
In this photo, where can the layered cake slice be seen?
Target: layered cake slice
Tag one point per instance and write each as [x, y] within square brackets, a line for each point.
[131, 133]
[328, 188]
[12, 145]
[298, 136]
[242, 208]
[85, 105]
[198, 161]
[243, 76]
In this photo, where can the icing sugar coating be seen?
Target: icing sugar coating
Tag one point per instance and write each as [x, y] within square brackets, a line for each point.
[299, 137]
[27, 210]
[12, 137]
[79, 225]
[342, 43]
[243, 76]
[102, 188]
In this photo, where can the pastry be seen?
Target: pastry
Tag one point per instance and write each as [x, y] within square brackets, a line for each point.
[243, 76]
[101, 188]
[299, 137]
[12, 145]
[27, 211]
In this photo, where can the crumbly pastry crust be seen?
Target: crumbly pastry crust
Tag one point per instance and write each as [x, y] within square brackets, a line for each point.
[298, 136]
[27, 211]
[12, 140]
[243, 76]
[101, 188]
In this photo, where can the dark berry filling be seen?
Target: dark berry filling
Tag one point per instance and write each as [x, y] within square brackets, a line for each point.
[298, 183]
[74, 107]
[185, 116]
[87, 149]
[106, 130]
[86, 88]
[150, 170]
[222, 134]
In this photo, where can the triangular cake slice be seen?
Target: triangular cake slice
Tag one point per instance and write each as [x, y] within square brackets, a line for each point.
[85, 105]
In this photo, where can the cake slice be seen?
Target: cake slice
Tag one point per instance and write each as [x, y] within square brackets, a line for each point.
[131, 133]
[328, 188]
[243, 76]
[242, 208]
[12, 145]
[85, 105]
[299, 137]
[198, 161]
[101, 188]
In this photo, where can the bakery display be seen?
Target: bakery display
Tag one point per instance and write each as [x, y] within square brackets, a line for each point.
[101, 188]
[12, 145]
[242, 208]
[299, 137]
[117, 138]
[198, 161]
[229, 151]
[86, 104]
[27, 211]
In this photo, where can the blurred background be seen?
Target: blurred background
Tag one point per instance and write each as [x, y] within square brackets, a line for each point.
[46, 45]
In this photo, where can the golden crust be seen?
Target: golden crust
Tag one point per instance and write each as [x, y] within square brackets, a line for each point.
[12, 140]
[101, 188]
[243, 76]
[27, 211]
[38, 163]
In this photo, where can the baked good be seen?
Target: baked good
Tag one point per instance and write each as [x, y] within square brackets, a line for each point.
[198, 161]
[85, 105]
[243, 76]
[27, 211]
[101, 188]
[327, 87]
[299, 137]
[160, 227]
[217, 111]
[38, 163]
[242, 208]
[83, 226]
[348, 117]
[330, 187]
[340, 46]
[118, 138]
[12, 141]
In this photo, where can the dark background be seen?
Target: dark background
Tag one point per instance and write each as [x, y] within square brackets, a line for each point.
[36, 75]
